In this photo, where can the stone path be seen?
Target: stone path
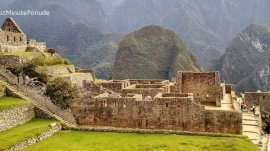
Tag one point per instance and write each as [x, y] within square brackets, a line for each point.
[251, 127]
[226, 104]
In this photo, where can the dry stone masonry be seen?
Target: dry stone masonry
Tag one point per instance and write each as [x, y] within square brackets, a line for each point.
[158, 104]
[16, 116]
[12, 39]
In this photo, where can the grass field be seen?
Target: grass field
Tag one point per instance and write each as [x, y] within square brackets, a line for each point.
[97, 141]
[9, 102]
[22, 132]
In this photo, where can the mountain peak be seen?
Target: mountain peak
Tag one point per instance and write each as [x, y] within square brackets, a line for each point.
[152, 52]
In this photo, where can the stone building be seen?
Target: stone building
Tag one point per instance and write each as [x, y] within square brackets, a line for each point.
[13, 39]
[205, 86]
[154, 104]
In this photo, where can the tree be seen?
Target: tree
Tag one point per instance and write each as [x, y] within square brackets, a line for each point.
[61, 92]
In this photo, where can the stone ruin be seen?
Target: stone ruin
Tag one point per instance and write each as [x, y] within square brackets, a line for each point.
[262, 100]
[205, 86]
[192, 103]
[161, 104]
[13, 39]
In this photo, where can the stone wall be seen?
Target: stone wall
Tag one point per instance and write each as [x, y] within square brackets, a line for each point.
[173, 113]
[144, 91]
[78, 78]
[204, 86]
[258, 98]
[13, 39]
[93, 72]
[115, 85]
[57, 69]
[14, 60]
[33, 45]
[11, 42]
[10, 48]
[16, 116]
[148, 81]
[2, 90]
[220, 121]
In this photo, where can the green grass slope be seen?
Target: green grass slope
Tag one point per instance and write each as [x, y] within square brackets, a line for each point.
[9, 102]
[22, 132]
[92, 141]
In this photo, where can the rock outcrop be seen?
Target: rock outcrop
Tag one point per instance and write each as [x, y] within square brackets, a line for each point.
[246, 60]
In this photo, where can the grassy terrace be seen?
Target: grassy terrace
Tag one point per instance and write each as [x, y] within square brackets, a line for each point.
[92, 141]
[22, 53]
[9, 102]
[22, 132]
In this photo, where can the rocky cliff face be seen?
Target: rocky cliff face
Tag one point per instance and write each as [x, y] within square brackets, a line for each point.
[152, 52]
[246, 60]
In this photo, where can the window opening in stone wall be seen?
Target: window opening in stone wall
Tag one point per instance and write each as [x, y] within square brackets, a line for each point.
[9, 29]
[20, 38]
[167, 104]
[7, 38]
[198, 94]
[14, 39]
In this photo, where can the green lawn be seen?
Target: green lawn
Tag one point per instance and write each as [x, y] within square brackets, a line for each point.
[107, 141]
[22, 132]
[9, 102]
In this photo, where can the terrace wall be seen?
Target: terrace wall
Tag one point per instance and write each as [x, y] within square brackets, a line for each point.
[15, 116]
[173, 113]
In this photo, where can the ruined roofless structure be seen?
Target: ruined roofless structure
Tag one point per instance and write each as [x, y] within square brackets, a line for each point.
[160, 104]
[13, 39]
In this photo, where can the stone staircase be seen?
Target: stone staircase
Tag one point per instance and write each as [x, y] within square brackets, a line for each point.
[251, 127]
[45, 110]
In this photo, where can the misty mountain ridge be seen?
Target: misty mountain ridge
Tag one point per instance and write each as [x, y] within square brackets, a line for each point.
[246, 60]
[206, 27]
[66, 27]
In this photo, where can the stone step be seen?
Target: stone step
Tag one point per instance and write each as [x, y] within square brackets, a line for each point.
[248, 118]
[39, 106]
[250, 128]
[250, 122]
[248, 114]
[226, 102]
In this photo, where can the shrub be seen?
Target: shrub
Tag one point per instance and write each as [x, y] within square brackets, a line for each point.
[29, 67]
[51, 51]
[61, 92]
